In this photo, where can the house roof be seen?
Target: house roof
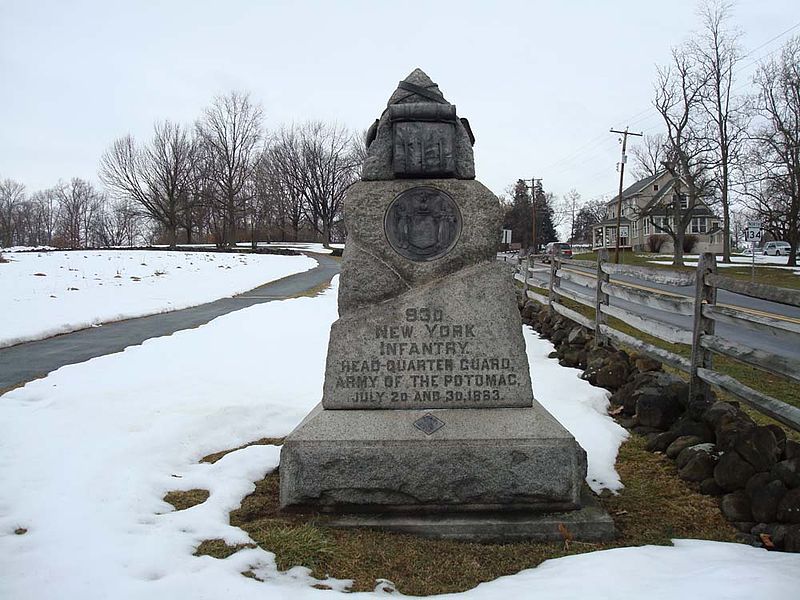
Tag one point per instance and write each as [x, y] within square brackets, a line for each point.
[637, 187]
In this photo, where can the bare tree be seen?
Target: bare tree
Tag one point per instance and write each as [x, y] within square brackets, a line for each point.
[649, 156]
[81, 206]
[678, 97]
[12, 195]
[230, 133]
[774, 189]
[329, 166]
[156, 177]
[717, 53]
[284, 171]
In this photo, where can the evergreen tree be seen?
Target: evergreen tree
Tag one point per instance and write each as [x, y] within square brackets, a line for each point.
[545, 227]
[518, 215]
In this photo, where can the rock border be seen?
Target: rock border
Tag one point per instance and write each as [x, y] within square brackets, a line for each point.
[754, 470]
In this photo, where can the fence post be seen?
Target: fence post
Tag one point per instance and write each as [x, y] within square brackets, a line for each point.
[701, 325]
[527, 273]
[600, 298]
[554, 260]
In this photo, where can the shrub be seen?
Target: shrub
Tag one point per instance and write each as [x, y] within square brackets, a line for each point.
[689, 242]
[655, 242]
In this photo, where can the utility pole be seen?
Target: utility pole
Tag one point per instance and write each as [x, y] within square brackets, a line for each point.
[533, 211]
[622, 162]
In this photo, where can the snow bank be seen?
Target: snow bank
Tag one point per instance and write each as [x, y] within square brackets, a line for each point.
[44, 294]
[87, 453]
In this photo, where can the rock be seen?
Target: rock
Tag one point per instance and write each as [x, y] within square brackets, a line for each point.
[730, 428]
[716, 411]
[558, 336]
[780, 438]
[553, 354]
[571, 358]
[619, 397]
[759, 447]
[764, 501]
[791, 540]
[681, 444]
[577, 337]
[759, 480]
[736, 507]
[644, 364]
[659, 411]
[748, 539]
[699, 467]
[789, 507]
[687, 426]
[645, 431]
[661, 442]
[775, 531]
[788, 471]
[710, 487]
[529, 310]
[744, 526]
[792, 449]
[687, 453]
[732, 472]
[612, 375]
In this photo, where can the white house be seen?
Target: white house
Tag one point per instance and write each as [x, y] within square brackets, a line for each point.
[647, 203]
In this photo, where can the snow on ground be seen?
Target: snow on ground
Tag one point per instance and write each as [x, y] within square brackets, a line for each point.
[778, 262]
[87, 453]
[48, 293]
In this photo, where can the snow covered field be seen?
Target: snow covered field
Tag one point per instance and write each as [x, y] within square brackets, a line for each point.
[47, 293]
[87, 454]
[778, 262]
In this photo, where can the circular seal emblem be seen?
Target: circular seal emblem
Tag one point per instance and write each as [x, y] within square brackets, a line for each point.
[422, 224]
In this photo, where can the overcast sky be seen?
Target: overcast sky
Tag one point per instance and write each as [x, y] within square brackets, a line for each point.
[540, 82]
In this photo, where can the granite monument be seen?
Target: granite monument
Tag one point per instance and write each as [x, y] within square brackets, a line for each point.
[428, 422]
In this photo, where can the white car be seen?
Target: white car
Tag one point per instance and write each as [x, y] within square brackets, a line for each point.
[777, 248]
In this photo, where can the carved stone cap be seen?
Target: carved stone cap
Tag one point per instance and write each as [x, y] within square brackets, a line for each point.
[419, 136]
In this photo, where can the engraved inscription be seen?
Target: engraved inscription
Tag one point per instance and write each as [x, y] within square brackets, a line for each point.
[422, 224]
[426, 359]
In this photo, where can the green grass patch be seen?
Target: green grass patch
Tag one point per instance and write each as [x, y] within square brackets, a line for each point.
[654, 507]
[183, 499]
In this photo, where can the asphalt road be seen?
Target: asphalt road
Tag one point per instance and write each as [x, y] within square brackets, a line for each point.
[25, 362]
[783, 343]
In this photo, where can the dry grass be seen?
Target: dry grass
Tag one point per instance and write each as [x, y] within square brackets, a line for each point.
[654, 507]
[182, 500]
[212, 458]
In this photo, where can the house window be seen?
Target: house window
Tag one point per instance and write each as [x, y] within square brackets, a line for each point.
[661, 223]
[646, 226]
[655, 187]
[699, 225]
[635, 227]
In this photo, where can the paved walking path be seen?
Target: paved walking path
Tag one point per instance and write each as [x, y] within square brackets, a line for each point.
[25, 362]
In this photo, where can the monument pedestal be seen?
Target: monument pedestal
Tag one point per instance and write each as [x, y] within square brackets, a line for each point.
[428, 422]
[497, 474]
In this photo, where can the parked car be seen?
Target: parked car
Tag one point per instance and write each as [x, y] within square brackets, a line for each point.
[777, 248]
[560, 247]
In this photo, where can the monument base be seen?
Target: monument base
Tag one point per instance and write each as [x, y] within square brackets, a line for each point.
[431, 461]
[590, 523]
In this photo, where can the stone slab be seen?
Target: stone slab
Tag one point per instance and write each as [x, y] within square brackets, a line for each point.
[477, 459]
[590, 523]
[446, 344]
[373, 271]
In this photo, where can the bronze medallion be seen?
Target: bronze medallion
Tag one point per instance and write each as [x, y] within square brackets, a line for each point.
[423, 224]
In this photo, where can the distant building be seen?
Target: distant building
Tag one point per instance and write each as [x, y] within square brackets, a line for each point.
[650, 200]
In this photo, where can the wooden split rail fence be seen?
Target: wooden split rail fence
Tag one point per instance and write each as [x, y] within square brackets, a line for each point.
[604, 280]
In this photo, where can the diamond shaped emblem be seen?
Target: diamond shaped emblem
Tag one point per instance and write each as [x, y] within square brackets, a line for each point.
[428, 424]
